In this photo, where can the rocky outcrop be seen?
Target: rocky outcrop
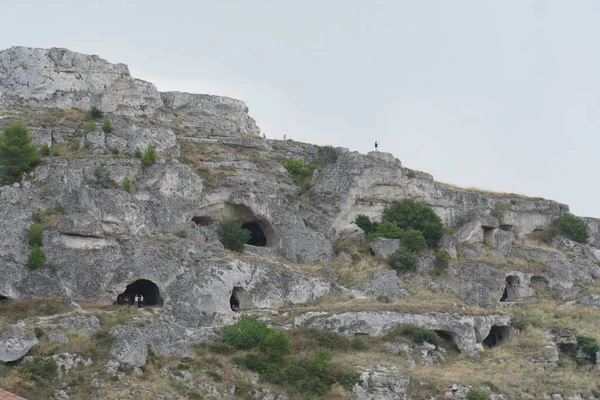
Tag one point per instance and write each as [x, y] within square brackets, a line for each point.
[384, 247]
[467, 331]
[384, 283]
[80, 323]
[80, 225]
[15, 342]
[130, 347]
[381, 384]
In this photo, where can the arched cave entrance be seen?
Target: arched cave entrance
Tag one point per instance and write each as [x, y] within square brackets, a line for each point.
[511, 288]
[146, 288]
[497, 334]
[3, 298]
[234, 300]
[203, 221]
[257, 236]
[449, 343]
[539, 284]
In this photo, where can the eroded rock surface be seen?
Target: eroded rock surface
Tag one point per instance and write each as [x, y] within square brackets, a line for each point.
[15, 342]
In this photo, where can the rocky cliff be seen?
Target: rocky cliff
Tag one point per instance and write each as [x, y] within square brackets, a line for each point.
[312, 268]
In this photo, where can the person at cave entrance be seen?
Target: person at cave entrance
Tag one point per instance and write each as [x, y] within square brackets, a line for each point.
[141, 301]
[235, 308]
[136, 300]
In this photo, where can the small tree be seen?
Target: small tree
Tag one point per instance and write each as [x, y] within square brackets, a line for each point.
[246, 334]
[149, 157]
[365, 223]
[298, 170]
[36, 258]
[413, 241]
[572, 227]
[127, 184]
[409, 214]
[17, 154]
[232, 235]
[403, 260]
[106, 126]
[34, 236]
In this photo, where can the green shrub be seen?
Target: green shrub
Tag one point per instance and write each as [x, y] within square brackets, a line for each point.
[327, 155]
[365, 223]
[232, 235]
[127, 184]
[413, 241]
[276, 344]
[387, 230]
[298, 170]
[90, 126]
[115, 150]
[403, 260]
[572, 227]
[38, 370]
[330, 340]
[411, 174]
[101, 174]
[36, 258]
[409, 214]
[442, 259]
[478, 394]
[149, 157]
[74, 144]
[137, 153]
[34, 236]
[17, 154]
[95, 113]
[415, 333]
[106, 126]
[247, 333]
[589, 346]
[45, 150]
[87, 144]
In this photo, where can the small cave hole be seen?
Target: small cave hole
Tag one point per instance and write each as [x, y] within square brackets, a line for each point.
[203, 221]
[257, 236]
[507, 228]
[143, 287]
[3, 298]
[449, 343]
[539, 284]
[234, 300]
[497, 334]
[511, 288]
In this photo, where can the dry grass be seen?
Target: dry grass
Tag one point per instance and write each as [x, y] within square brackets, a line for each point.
[13, 310]
[41, 116]
[489, 192]
[489, 256]
[356, 272]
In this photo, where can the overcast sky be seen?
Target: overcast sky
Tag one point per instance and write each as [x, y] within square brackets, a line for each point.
[501, 95]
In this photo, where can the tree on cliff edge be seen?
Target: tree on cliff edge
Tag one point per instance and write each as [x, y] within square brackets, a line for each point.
[17, 154]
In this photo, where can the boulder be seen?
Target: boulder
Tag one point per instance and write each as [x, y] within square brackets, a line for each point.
[380, 384]
[590, 301]
[130, 347]
[384, 247]
[58, 337]
[15, 342]
[80, 323]
[384, 283]
[500, 240]
[80, 225]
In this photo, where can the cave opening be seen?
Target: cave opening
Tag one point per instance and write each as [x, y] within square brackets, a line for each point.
[257, 236]
[234, 300]
[497, 334]
[143, 287]
[540, 285]
[448, 339]
[3, 298]
[203, 221]
[510, 288]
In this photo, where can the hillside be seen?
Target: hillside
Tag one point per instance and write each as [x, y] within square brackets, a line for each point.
[503, 303]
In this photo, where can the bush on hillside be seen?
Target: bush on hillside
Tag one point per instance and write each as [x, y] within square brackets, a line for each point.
[36, 258]
[232, 235]
[478, 394]
[127, 184]
[415, 333]
[403, 260]
[298, 170]
[106, 126]
[413, 241]
[442, 259]
[387, 230]
[17, 154]
[95, 113]
[149, 157]
[572, 227]
[45, 150]
[409, 214]
[245, 334]
[327, 155]
[589, 346]
[365, 223]
[74, 144]
[90, 126]
[34, 236]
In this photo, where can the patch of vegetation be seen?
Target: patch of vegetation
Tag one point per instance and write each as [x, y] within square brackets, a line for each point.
[403, 260]
[365, 223]
[21, 309]
[149, 157]
[34, 236]
[115, 150]
[36, 258]
[499, 211]
[74, 144]
[442, 259]
[127, 184]
[327, 155]
[572, 227]
[38, 370]
[232, 235]
[478, 394]
[103, 179]
[137, 153]
[334, 341]
[411, 174]
[90, 126]
[17, 154]
[415, 333]
[87, 144]
[298, 170]
[106, 126]
[589, 346]
[95, 113]
[45, 150]
[409, 214]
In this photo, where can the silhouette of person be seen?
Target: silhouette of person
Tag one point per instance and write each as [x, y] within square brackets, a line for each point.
[376, 146]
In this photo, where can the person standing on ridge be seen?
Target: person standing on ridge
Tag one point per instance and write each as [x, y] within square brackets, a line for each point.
[376, 145]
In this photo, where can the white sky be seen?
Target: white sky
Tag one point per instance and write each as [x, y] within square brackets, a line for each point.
[501, 95]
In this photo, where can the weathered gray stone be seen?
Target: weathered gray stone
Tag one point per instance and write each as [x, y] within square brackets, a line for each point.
[381, 384]
[15, 342]
[80, 323]
[80, 225]
[384, 283]
[58, 337]
[130, 347]
[384, 247]
[590, 301]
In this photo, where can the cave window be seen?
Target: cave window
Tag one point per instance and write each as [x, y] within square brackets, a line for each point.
[507, 228]
[448, 339]
[146, 288]
[510, 292]
[257, 236]
[203, 221]
[497, 334]
[3, 298]
[234, 300]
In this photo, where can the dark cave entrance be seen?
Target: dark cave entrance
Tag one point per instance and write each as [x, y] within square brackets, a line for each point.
[3, 298]
[497, 334]
[510, 288]
[449, 343]
[257, 236]
[146, 288]
[234, 300]
[203, 221]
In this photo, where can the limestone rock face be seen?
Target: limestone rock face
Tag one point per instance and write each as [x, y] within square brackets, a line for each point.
[62, 78]
[384, 283]
[15, 342]
[384, 247]
[130, 347]
[381, 384]
[80, 225]
[80, 323]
